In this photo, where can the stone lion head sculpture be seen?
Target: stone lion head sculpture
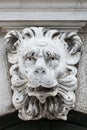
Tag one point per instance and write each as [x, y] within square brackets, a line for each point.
[43, 73]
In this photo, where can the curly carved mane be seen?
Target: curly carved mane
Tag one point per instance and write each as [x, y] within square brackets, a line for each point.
[54, 107]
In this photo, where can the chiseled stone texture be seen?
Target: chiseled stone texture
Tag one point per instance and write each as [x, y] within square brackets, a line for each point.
[43, 71]
[81, 93]
[5, 90]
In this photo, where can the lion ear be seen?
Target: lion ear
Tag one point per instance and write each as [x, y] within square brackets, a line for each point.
[12, 41]
[74, 44]
[73, 41]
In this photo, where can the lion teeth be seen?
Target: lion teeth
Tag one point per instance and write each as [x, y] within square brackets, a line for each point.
[42, 89]
[42, 99]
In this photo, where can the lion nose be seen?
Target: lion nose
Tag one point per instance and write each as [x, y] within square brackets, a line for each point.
[40, 70]
[40, 67]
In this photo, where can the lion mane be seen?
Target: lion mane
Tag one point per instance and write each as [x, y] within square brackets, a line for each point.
[59, 101]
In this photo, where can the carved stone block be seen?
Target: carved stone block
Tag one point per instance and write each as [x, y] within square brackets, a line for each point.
[43, 70]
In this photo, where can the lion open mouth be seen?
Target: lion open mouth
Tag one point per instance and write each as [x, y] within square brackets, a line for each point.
[42, 93]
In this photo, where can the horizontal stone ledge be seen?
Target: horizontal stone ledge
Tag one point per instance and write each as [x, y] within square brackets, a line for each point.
[43, 4]
[43, 15]
[62, 26]
[46, 23]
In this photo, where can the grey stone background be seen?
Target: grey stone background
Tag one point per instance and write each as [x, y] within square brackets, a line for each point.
[5, 90]
[81, 93]
[66, 15]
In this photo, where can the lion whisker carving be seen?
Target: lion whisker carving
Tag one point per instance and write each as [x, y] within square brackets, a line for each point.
[43, 71]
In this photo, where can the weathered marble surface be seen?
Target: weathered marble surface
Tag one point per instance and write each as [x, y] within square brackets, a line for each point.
[43, 71]
[5, 90]
[43, 10]
[81, 93]
[6, 93]
[19, 14]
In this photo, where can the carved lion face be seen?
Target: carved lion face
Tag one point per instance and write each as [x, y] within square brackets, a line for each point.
[43, 73]
[42, 62]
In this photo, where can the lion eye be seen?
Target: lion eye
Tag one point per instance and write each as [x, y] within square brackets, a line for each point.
[57, 58]
[30, 58]
[52, 58]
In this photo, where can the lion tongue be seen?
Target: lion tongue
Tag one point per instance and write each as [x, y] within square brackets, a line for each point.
[42, 99]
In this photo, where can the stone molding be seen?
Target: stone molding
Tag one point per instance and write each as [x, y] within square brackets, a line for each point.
[43, 4]
[43, 10]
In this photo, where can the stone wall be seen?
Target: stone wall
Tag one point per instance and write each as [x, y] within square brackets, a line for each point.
[66, 16]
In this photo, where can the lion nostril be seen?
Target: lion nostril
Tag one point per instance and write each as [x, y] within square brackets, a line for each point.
[26, 71]
[36, 71]
[43, 71]
[40, 71]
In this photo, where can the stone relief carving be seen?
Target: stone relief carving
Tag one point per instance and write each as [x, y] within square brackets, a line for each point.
[43, 70]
